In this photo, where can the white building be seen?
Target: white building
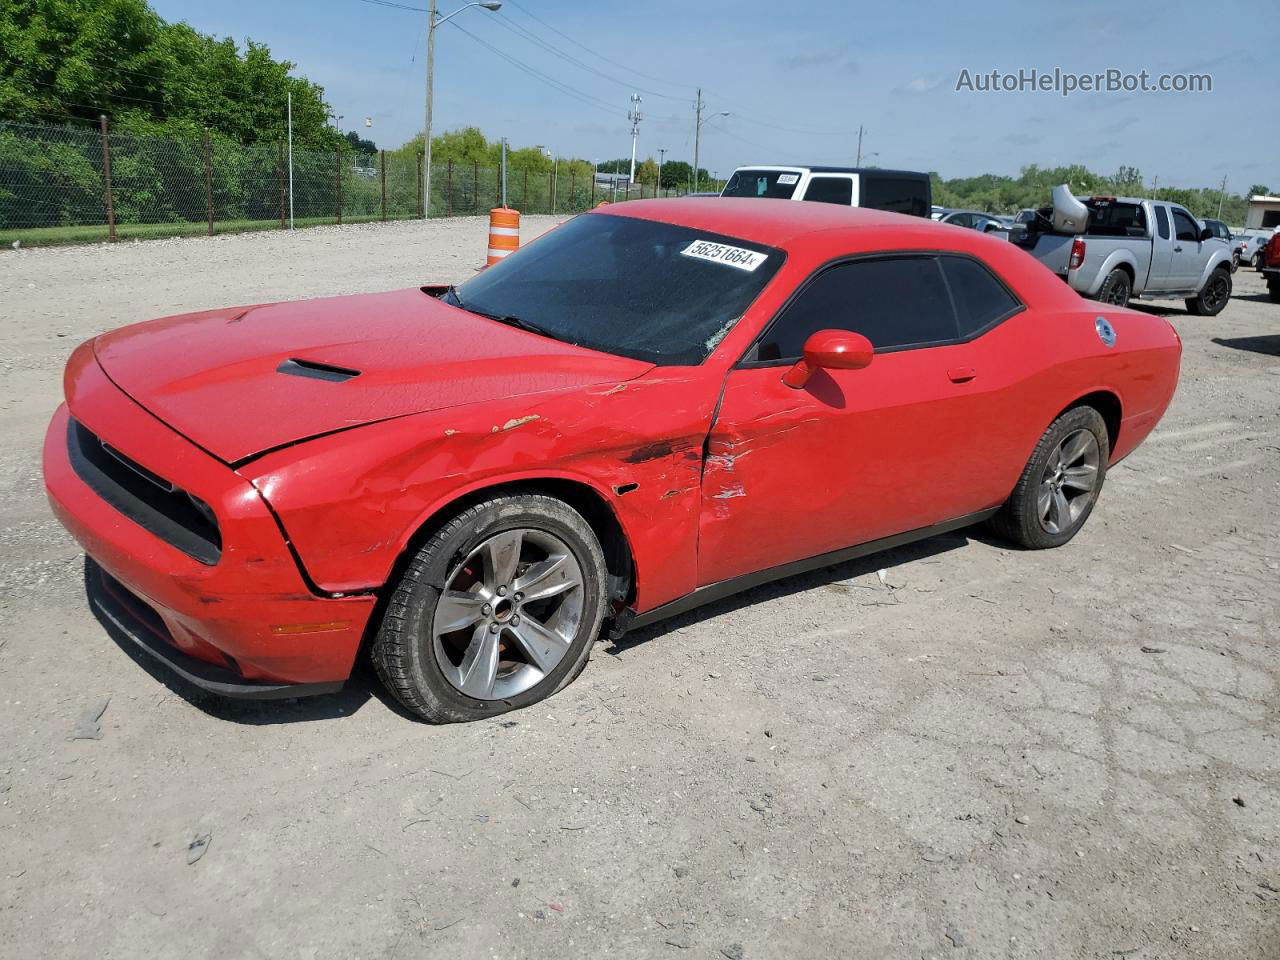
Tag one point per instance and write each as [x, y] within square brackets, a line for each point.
[1263, 213]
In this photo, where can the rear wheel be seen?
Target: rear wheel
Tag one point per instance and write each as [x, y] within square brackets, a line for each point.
[1060, 483]
[1273, 288]
[1256, 262]
[1214, 296]
[497, 611]
[1117, 288]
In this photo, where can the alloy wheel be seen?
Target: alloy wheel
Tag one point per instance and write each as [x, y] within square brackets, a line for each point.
[508, 614]
[1069, 482]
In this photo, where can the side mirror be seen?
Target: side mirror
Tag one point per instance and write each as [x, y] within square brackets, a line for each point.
[830, 350]
[1206, 234]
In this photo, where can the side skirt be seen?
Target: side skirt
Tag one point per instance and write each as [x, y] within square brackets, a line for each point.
[725, 588]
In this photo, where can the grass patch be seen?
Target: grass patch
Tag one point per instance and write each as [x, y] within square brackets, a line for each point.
[59, 236]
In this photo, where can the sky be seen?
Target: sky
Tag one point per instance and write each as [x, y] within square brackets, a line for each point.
[796, 80]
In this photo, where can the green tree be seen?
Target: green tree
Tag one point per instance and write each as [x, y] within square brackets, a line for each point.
[647, 172]
[1259, 189]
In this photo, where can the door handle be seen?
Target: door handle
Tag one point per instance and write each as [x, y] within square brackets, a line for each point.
[961, 374]
[1177, 249]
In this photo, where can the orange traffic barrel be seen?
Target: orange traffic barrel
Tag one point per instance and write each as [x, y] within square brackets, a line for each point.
[504, 233]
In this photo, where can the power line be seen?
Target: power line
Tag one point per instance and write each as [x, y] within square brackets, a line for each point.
[598, 56]
[507, 24]
[551, 81]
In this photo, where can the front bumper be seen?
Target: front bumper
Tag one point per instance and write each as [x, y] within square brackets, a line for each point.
[246, 625]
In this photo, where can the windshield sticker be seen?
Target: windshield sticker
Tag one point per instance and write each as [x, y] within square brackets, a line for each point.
[720, 253]
[787, 179]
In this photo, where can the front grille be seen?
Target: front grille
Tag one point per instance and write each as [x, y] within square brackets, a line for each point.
[155, 504]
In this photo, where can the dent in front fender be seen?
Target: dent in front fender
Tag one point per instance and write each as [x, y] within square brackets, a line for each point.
[351, 502]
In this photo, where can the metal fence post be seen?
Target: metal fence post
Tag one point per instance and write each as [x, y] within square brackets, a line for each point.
[448, 190]
[593, 190]
[475, 183]
[524, 192]
[280, 178]
[106, 178]
[419, 180]
[382, 166]
[337, 179]
[208, 179]
[572, 180]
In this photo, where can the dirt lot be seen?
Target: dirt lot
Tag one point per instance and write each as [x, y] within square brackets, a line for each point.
[989, 753]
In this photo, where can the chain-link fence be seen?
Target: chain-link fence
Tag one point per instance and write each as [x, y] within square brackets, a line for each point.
[67, 184]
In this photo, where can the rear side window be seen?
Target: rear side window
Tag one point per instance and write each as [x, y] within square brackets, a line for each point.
[1184, 228]
[896, 194]
[830, 190]
[777, 184]
[981, 300]
[894, 302]
[1110, 219]
[1162, 222]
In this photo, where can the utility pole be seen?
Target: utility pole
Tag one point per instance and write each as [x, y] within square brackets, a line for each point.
[1222, 193]
[858, 162]
[662, 152]
[634, 116]
[697, 132]
[431, 65]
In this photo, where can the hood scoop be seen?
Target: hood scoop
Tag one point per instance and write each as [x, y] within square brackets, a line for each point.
[316, 370]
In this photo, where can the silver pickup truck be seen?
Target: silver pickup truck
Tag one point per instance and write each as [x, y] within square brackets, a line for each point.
[1116, 248]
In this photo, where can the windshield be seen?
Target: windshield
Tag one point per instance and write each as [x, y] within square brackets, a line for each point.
[777, 184]
[638, 288]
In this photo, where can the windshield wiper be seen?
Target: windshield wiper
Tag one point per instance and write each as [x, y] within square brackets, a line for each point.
[514, 321]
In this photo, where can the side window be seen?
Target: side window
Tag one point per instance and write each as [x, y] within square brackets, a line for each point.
[1184, 228]
[830, 190]
[894, 302]
[1162, 222]
[895, 194]
[981, 300]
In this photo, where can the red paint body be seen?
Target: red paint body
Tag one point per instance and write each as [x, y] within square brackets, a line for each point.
[734, 471]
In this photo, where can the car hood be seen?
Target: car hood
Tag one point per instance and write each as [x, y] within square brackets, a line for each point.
[242, 381]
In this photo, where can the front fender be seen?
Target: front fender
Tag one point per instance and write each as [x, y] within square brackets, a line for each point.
[1218, 259]
[350, 503]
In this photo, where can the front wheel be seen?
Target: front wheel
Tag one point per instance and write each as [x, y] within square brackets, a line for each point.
[497, 611]
[1060, 483]
[1214, 296]
[1116, 289]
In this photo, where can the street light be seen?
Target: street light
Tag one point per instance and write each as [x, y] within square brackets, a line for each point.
[434, 21]
[702, 122]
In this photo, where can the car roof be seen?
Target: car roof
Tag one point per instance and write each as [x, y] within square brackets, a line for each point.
[820, 168]
[763, 220]
[828, 229]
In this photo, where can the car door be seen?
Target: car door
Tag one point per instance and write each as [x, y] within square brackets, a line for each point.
[1186, 261]
[854, 455]
[1161, 275]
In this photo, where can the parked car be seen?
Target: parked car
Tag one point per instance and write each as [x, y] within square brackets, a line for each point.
[898, 191]
[974, 220]
[654, 405]
[1115, 248]
[1270, 268]
[1248, 249]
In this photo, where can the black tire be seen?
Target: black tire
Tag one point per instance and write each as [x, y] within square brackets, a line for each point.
[1256, 262]
[1117, 288]
[1019, 519]
[1273, 288]
[403, 650]
[1215, 294]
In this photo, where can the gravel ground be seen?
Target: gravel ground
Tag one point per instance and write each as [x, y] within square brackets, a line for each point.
[981, 753]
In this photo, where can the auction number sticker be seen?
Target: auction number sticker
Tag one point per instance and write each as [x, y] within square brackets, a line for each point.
[788, 179]
[721, 253]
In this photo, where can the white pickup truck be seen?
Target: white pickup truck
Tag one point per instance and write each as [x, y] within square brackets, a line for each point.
[1116, 248]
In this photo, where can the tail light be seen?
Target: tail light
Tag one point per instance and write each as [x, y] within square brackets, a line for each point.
[1077, 254]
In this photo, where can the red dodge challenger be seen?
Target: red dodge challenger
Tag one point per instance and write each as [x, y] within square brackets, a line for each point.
[651, 406]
